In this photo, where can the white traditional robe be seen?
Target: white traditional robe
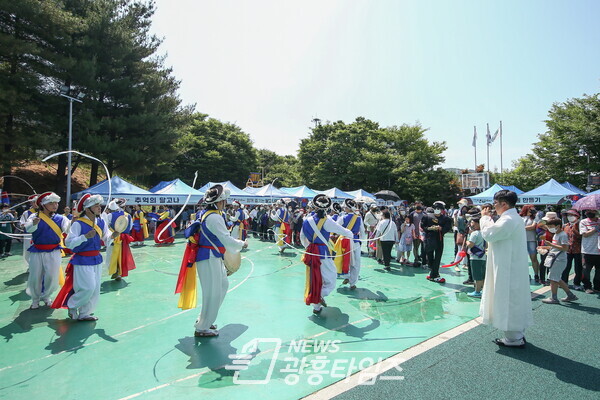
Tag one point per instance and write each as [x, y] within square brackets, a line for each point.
[506, 300]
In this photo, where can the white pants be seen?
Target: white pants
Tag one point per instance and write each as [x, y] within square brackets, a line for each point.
[354, 263]
[86, 284]
[235, 232]
[214, 285]
[514, 335]
[26, 245]
[329, 276]
[43, 271]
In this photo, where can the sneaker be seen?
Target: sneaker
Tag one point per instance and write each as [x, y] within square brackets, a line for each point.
[7, 254]
[387, 268]
[439, 280]
[578, 288]
[468, 282]
[474, 294]
[569, 298]
[47, 302]
[35, 305]
[206, 333]
[73, 313]
[346, 281]
[550, 300]
[536, 278]
[589, 291]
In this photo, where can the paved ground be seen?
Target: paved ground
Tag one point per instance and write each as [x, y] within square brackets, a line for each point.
[142, 346]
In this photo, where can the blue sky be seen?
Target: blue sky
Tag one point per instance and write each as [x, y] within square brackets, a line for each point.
[272, 66]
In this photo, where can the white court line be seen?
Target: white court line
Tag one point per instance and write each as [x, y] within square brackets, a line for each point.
[125, 332]
[378, 369]
[164, 385]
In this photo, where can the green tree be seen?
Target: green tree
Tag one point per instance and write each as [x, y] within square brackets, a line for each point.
[568, 151]
[364, 155]
[218, 151]
[131, 113]
[31, 35]
[284, 170]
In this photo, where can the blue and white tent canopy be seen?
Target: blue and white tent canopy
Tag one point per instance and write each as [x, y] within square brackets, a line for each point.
[336, 193]
[178, 188]
[271, 191]
[487, 196]
[133, 194]
[251, 190]
[550, 192]
[574, 188]
[235, 191]
[300, 191]
[361, 193]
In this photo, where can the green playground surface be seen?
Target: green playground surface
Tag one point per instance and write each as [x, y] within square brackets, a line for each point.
[143, 346]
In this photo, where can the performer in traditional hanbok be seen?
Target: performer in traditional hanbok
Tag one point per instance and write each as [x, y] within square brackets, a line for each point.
[237, 220]
[506, 299]
[320, 269]
[139, 231]
[24, 217]
[283, 231]
[81, 290]
[46, 228]
[347, 258]
[168, 236]
[208, 240]
[119, 260]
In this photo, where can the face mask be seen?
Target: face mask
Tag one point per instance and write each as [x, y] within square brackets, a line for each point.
[552, 230]
[437, 212]
[572, 218]
[402, 212]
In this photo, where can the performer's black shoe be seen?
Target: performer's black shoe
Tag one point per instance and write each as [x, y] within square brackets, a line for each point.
[519, 344]
[317, 312]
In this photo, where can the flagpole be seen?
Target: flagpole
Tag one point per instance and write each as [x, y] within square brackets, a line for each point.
[501, 170]
[487, 140]
[475, 146]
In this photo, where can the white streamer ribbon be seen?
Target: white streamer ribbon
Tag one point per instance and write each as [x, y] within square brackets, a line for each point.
[92, 158]
[182, 207]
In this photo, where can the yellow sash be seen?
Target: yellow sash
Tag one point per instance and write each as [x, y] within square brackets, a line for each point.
[87, 221]
[53, 226]
[58, 231]
[340, 249]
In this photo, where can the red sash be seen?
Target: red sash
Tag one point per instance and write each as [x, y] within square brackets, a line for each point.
[189, 258]
[127, 262]
[314, 280]
[46, 246]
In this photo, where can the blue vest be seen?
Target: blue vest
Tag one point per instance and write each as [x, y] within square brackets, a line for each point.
[204, 252]
[45, 235]
[117, 214]
[310, 233]
[137, 225]
[240, 217]
[335, 217]
[88, 245]
[357, 224]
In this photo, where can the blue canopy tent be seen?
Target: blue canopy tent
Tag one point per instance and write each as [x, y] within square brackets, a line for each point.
[251, 190]
[550, 192]
[271, 191]
[487, 196]
[361, 193]
[178, 188]
[300, 191]
[235, 191]
[574, 188]
[133, 194]
[336, 193]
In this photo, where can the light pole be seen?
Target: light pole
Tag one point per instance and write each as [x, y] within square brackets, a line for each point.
[272, 189]
[65, 91]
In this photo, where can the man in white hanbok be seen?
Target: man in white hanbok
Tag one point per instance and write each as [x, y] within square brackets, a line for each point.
[506, 300]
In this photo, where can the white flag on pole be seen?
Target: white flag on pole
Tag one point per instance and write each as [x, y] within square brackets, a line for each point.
[474, 137]
[488, 136]
[495, 134]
